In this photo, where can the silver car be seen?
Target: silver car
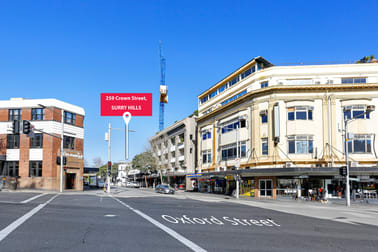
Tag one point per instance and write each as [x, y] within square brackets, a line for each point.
[166, 189]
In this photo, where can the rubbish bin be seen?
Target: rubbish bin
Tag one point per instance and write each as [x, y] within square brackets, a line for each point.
[13, 185]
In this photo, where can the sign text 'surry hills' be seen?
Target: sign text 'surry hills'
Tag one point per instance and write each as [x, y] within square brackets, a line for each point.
[115, 104]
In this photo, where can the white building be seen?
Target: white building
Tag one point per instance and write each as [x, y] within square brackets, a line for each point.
[174, 149]
[288, 122]
[123, 170]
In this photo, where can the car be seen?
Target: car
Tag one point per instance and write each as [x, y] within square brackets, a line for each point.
[166, 189]
[100, 183]
[132, 184]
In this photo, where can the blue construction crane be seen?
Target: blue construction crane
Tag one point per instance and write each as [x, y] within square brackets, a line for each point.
[163, 90]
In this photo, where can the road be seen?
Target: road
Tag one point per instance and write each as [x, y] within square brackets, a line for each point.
[137, 220]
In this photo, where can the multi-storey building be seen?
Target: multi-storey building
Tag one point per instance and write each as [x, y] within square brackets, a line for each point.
[175, 151]
[31, 160]
[123, 169]
[281, 129]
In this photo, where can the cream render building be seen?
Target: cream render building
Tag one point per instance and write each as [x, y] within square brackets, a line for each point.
[281, 129]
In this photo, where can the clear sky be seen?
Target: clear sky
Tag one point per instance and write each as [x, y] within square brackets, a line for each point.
[75, 50]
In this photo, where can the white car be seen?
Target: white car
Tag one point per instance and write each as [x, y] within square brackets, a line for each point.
[100, 183]
[132, 184]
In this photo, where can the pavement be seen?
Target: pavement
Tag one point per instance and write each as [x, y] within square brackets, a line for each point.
[142, 220]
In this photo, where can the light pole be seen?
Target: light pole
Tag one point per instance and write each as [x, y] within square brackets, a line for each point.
[369, 109]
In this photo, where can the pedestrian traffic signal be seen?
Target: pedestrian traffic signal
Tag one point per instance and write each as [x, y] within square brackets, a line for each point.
[343, 171]
[16, 127]
[109, 165]
[26, 127]
[64, 160]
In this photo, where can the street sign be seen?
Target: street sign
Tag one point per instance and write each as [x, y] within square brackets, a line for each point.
[237, 162]
[354, 179]
[116, 104]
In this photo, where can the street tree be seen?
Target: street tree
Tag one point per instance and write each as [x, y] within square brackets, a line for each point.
[144, 161]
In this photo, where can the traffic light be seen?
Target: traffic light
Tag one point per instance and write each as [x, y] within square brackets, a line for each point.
[58, 160]
[26, 127]
[343, 171]
[64, 160]
[16, 127]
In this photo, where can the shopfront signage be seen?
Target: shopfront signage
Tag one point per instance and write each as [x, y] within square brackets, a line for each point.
[194, 175]
[116, 104]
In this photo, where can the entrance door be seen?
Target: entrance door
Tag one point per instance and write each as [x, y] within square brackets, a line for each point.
[70, 180]
[266, 187]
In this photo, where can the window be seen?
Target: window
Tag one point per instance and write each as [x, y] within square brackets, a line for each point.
[206, 156]
[213, 94]
[356, 111]
[360, 144]
[234, 97]
[204, 99]
[69, 142]
[264, 146]
[264, 116]
[264, 84]
[229, 151]
[36, 141]
[13, 141]
[300, 144]
[299, 113]
[242, 123]
[35, 169]
[38, 114]
[206, 135]
[14, 114]
[230, 127]
[233, 81]
[222, 88]
[9, 168]
[69, 118]
[246, 73]
[353, 80]
[266, 187]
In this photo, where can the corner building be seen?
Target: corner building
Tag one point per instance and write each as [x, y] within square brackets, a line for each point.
[31, 161]
[280, 128]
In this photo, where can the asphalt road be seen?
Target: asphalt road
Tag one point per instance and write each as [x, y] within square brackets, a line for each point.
[78, 222]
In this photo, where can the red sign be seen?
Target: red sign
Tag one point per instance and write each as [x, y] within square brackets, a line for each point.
[115, 104]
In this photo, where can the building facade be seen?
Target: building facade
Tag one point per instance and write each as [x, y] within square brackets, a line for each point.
[30, 161]
[175, 151]
[280, 128]
[123, 169]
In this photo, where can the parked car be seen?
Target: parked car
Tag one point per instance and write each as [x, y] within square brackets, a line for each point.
[166, 189]
[132, 184]
[100, 183]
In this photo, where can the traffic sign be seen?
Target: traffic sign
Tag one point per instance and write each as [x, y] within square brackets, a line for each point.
[116, 104]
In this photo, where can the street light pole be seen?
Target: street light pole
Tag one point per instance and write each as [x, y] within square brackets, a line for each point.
[238, 159]
[61, 153]
[347, 193]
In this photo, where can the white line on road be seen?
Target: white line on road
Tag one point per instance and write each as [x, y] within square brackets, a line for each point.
[166, 229]
[32, 198]
[11, 227]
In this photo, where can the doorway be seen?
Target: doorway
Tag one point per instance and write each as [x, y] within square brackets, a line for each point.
[70, 180]
[266, 187]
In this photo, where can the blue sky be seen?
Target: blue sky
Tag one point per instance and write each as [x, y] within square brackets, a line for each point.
[75, 50]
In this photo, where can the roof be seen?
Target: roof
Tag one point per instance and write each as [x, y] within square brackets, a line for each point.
[35, 103]
[257, 59]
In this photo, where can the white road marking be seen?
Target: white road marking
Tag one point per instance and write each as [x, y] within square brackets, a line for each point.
[11, 227]
[166, 229]
[32, 198]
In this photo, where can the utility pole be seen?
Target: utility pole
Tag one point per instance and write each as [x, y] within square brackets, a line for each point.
[238, 159]
[347, 192]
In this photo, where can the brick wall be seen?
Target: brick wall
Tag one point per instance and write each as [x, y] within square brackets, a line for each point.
[3, 144]
[26, 114]
[53, 114]
[24, 156]
[79, 145]
[79, 121]
[3, 115]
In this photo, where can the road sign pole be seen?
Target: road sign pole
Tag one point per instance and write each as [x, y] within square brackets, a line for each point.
[127, 118]
[109, 160]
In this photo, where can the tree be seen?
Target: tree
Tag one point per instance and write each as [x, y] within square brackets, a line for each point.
[144, 161]
[97, 162]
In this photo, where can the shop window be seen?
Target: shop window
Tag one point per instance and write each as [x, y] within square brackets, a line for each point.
[357, 80]
[300, 144]
[10, 169]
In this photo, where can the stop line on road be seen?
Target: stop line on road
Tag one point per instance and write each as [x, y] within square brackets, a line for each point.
[225, 220]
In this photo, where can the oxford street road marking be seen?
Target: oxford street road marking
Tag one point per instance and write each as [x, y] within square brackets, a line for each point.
[220, 221]
[11, 227]
[166, 229]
